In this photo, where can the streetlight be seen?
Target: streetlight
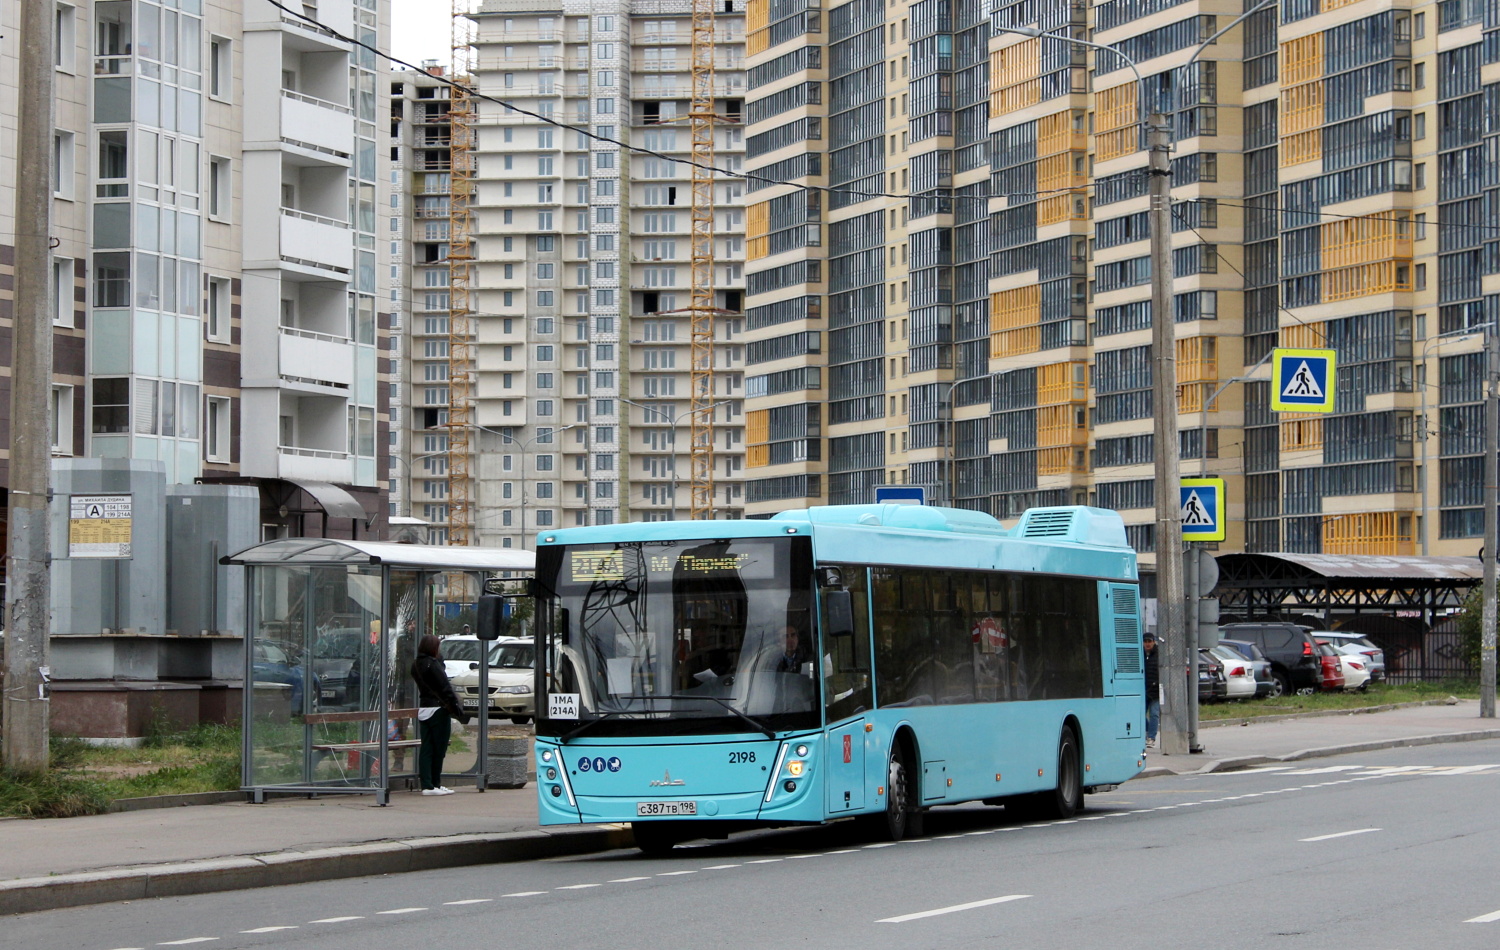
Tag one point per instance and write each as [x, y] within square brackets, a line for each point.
[524, 444]
[1179, 657]
[671, 420]
[406, 490]
[1452, 336]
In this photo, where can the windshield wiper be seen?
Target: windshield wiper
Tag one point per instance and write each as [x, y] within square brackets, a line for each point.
[760, 727]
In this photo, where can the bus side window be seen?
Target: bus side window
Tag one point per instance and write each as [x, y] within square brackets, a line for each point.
[846, 682]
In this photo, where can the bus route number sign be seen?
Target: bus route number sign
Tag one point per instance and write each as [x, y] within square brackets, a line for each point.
[562, 705]
[99, 526]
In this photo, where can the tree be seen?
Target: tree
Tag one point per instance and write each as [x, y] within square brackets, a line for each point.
[1470, 627]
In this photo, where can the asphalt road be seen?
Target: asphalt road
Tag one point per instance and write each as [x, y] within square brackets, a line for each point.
[1382, 850]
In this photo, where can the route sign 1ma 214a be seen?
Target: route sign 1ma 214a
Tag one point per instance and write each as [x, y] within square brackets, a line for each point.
[1303, 380]
[99, 526]
[1202, 503]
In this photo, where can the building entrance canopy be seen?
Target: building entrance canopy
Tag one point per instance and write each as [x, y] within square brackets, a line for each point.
[333, 628]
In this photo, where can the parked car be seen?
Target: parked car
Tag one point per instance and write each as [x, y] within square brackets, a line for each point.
[1374, 654]
[1353, 664]
[1211, 685]
[272, 664]
[1292, 650]
[1239, 675]
[1333, 672]
[1265, 683]
[461, 653]
[334, 655]
[511, 683]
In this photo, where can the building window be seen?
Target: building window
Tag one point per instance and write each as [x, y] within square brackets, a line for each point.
[62, 165]
[111, 405]
[216, 311]
[220, 69]
[62, 288]
[64, 41]
[61, 421]
[216, 429]
[219, 192]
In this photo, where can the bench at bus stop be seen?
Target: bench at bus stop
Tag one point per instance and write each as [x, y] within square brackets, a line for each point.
[362, 748]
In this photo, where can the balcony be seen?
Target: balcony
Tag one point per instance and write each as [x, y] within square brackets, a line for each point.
[307, 355]
[316, 241]
[319, 465]
[326, 127]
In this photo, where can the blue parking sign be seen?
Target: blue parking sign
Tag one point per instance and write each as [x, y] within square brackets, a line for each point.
[1202, 504]
[1302, 380]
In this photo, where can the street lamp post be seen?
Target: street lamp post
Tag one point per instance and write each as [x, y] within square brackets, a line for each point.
[1179, 657]
[524, 444]
[1453, 336]
[671, 420]
[406, 489]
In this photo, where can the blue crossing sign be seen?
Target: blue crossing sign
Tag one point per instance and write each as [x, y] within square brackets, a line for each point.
[900, 495]
[1302, 380]
[1202, 504]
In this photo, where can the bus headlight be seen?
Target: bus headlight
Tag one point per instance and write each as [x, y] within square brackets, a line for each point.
[546, 755]
[801, 751]
[551, 774]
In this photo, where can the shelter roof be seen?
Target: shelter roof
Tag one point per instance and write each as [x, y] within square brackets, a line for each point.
[285, 551]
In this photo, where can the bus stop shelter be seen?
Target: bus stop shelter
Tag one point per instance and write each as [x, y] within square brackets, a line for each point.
[332, 630]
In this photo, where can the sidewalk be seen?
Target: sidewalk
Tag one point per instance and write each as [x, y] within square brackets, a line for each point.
[51, 863]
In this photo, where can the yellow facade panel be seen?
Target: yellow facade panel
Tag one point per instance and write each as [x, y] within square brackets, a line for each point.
[1350, 241]
[1301, 108]
[1060, 425]
[1304, 336]
[758, 426]
[1369, 532]
[757, 456]
[757, 220]
[757, 41]
[1198, 359]
[1302, 147]
[1060, 461]
[1058, 383]
[1300, 433]
[1364, 280]
[757, 15]
[1060, 132]
[1019, 307]
[1016, 342]
[1302, 59]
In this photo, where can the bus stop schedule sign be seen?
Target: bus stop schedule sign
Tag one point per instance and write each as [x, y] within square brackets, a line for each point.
[99, 526]
[1302, 380]
[1202, 503]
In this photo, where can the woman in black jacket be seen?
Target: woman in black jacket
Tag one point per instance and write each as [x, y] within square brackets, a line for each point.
[436, 703]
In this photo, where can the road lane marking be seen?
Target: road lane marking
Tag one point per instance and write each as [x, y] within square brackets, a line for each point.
[627, 880]
[401, 910]
[720, 867]
[845, 851]
[1484, 918]
[880, 844]
[472, 900]
[1341, 834]
[577, 887]
[523, 894]
[774, 860]
[178, 943]
[334, 920]
[267, 930]
[953, 909]
[675, 873]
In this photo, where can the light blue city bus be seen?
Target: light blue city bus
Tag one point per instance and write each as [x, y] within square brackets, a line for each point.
[870, 661]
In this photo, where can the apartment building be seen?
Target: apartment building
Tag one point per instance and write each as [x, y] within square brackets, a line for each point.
[217, 273]
[974, 286]
[583, 270]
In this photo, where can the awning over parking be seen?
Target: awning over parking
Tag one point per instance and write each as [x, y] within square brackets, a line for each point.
[1262, 584]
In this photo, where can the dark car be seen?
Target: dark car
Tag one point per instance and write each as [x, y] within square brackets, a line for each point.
[1292, 650]
[1265, 683]
[1211, 684]
[272, 664]
[334, 654]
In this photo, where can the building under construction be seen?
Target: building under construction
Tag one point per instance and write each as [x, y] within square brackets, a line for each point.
[587, 284]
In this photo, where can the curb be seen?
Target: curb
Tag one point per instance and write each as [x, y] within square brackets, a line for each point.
[1250, 761]
[29, 895]
[1321, 713]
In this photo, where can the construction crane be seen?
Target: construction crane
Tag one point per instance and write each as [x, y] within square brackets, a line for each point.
[701, 121]
[462, 171]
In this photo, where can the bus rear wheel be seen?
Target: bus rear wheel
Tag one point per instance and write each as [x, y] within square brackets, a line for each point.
[1066, 799]
[654, 838]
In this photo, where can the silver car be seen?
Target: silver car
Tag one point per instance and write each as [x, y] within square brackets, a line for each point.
[1361, 642]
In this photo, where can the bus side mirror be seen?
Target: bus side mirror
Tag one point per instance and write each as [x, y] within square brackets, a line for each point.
[838, 609]
[496, 617]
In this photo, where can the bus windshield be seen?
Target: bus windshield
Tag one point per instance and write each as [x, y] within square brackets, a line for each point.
[682, 636]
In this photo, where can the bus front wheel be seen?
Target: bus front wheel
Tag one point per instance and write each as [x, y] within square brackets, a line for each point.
[899, 820]
[654, 838]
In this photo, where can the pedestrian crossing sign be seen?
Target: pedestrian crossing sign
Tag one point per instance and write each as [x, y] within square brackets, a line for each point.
[1202, 503]
[1302, 380]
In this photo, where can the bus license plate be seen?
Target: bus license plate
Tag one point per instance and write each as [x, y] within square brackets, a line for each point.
[645, 809]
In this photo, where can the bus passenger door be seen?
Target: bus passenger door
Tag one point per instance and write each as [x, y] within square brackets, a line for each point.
[846, 767]
[1122, 630]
